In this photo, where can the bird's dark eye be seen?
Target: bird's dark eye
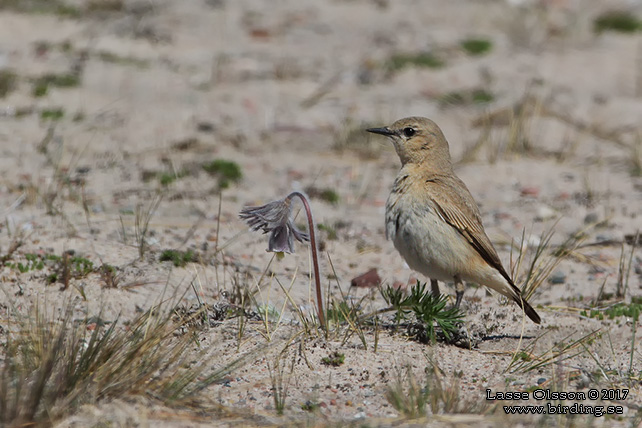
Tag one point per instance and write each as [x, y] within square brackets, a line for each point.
[409, 132]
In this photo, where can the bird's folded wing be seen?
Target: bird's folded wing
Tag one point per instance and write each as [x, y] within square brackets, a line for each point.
[457, 207]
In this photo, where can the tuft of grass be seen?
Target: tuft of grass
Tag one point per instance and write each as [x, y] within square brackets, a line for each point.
[565, 349]
[427, 309]
[142, 218]
[280, 380]
[225, 171]
[436, 393]
[8, 82]
[52, 366]
[543, 259]
[399, 61]
[476, 46]
[617, 20]
[178, 258]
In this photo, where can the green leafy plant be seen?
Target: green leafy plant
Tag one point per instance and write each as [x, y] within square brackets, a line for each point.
[427, 309]
[335, 359]
[178, 258]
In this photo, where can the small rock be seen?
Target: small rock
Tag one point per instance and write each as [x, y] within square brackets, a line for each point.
[368, 279]
[531, 191]
[544, 212]
[558, 277]
[591, 218]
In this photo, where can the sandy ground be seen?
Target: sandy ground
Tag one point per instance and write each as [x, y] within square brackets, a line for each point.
[283, 89]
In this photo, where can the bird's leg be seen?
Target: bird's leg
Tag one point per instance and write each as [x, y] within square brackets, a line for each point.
[459, 290]
[435, 287]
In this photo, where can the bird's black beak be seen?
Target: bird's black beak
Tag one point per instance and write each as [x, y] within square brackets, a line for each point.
[383, 131]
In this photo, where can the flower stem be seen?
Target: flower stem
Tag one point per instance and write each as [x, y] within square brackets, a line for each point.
[315, 256]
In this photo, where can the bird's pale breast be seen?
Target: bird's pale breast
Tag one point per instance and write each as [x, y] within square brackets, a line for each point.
[426, 242]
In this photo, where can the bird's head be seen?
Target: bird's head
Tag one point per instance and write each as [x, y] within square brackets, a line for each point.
[418, 140]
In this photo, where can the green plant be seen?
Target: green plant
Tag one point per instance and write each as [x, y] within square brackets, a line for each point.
[476, 46]
[52, 114]
[225, 171]
[526, 360]
[631, 310]
[428, 310]
[280, 380]
[335, 359]
[543, 260]
[142, 217]
[66, 80]
[52, 366]
[179, 258]
[619, 21]
[400, 61]
[407, 397]
[8, 82]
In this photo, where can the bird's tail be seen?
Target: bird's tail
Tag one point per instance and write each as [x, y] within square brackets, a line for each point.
[528, 309]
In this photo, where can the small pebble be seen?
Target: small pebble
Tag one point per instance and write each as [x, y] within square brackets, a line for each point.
[591, 218]
[558, 277]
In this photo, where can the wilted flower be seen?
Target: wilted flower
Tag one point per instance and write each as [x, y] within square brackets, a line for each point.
[274, 218]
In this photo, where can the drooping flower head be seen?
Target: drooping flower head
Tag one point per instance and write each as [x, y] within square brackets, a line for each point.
[275, 218]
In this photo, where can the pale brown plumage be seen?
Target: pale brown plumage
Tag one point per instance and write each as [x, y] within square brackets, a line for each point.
[432, 218]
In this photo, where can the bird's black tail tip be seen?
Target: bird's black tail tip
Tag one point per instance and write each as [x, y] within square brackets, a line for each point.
[528, 309]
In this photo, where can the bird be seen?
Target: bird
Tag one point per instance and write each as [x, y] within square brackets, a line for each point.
[433, 220]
